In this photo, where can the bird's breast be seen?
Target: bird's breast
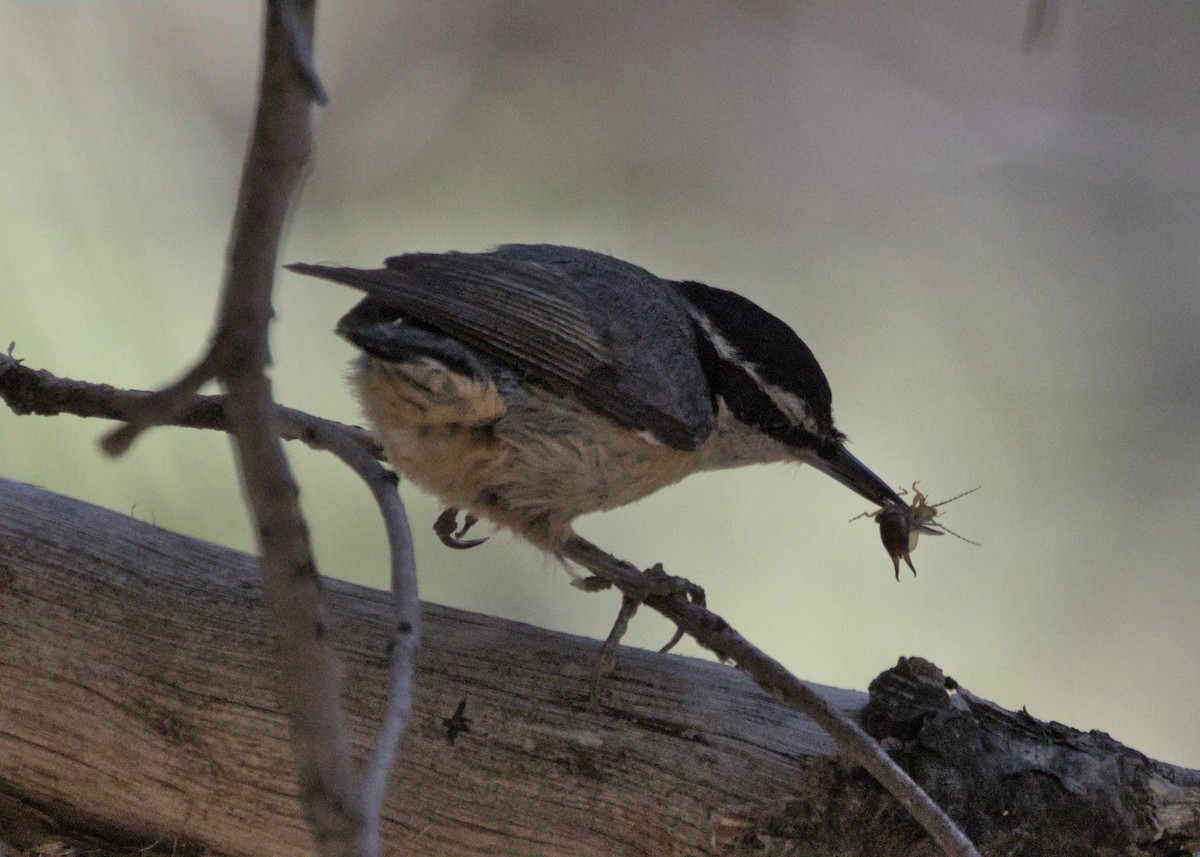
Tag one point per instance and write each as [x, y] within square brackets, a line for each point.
[517, 455]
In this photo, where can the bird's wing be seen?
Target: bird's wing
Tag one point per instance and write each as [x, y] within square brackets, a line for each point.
[562, 321]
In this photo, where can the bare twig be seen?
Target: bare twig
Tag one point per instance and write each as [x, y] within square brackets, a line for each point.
[310, 674]
[402, 647]
[714, 633]
[300, 41]
[237, 358]
[161, 407]
[38, 391]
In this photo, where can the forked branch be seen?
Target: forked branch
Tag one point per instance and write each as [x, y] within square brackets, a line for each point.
[237, 358]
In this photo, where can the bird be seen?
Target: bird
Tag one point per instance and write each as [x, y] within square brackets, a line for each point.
[530, 384]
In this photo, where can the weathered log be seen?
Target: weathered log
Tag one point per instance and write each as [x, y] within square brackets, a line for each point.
[137, 708]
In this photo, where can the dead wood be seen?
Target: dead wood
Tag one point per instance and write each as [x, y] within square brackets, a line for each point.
[137, 710]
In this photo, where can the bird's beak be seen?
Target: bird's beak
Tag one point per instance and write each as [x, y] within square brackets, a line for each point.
[852, 473]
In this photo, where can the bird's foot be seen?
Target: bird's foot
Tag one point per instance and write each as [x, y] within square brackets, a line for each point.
[660, 584]
[446, 525]
[669, 584]
[655, 583]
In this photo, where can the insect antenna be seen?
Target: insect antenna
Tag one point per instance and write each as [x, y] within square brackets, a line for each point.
[955, 497]
[942, 526]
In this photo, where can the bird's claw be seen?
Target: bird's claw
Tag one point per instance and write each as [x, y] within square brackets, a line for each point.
[658, 583]
[655, 582]
[666, 584]
[446, 525]
[592, 583]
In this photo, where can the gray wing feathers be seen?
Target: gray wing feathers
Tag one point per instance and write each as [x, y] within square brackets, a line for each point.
[604, 331]
[502, 309]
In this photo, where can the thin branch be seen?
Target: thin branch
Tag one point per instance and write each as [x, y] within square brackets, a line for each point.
[714, 633]
[310, 673]
[300, 40]
[238, 356]
[402, 647]
[160, 407]
[38, 391]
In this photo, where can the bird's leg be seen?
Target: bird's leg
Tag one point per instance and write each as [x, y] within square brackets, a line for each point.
[447, 523]
[606, 661]
[653, 582]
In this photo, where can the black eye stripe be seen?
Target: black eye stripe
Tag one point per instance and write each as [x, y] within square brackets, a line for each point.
[744, 395]
[778, 355]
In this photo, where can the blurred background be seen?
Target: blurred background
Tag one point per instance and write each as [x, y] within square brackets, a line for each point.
[992, 252]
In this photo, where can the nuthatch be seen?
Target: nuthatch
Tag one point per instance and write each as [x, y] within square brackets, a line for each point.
[532, 384]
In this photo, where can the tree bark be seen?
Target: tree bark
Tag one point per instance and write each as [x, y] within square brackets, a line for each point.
[137, 709]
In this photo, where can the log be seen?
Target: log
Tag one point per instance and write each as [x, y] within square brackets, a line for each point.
[138, 711]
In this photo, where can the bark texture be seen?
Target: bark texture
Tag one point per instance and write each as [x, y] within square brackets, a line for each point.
[137, 709]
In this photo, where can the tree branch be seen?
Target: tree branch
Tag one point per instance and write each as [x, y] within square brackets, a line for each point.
[39, 391]
[405, 638]
[238, 356]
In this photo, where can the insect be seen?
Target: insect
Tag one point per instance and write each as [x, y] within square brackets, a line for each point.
[900, 528]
